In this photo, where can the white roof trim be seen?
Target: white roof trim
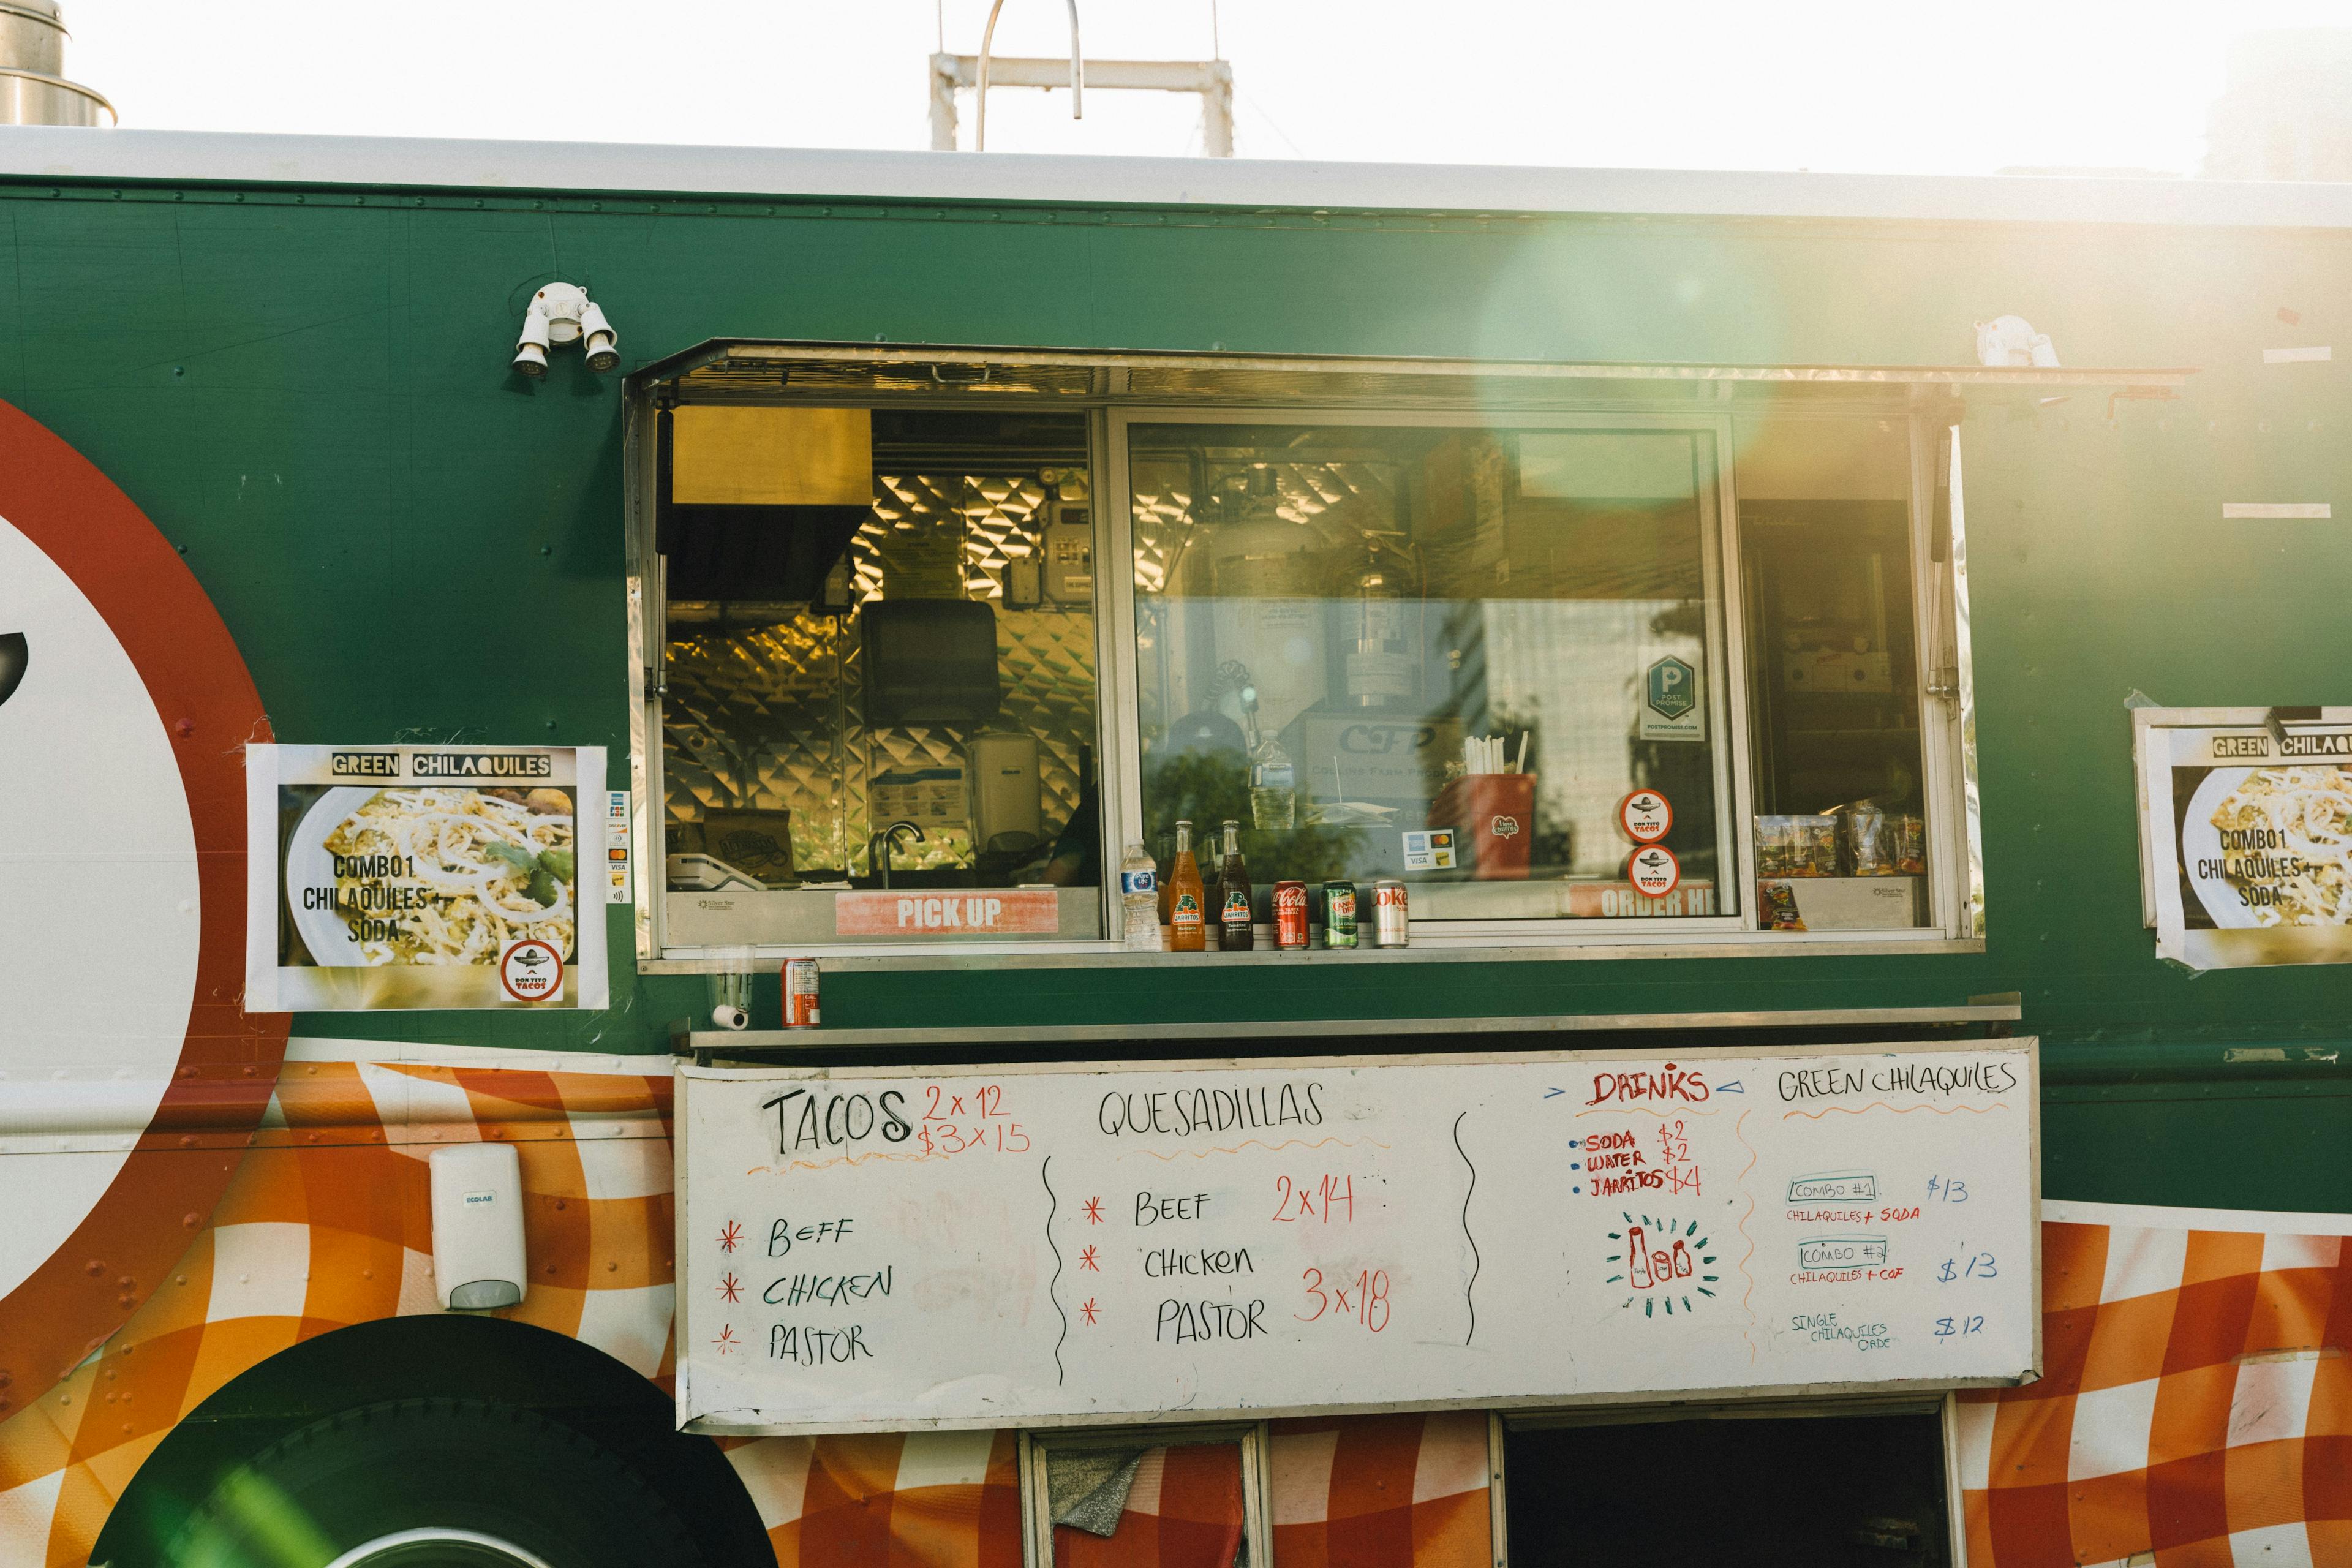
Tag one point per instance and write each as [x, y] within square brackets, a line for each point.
[176, 156]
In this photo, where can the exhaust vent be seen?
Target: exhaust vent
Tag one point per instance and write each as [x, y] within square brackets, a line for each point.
[32, 87]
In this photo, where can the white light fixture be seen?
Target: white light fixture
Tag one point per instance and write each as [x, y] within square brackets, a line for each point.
[562, 313]
[531, 349]
[600, 342]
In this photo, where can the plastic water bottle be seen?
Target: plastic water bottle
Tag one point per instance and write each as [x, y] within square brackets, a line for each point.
[1139, 897]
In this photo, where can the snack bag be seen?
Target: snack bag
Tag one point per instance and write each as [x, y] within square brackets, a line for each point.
[1911, 846]
[1814, 852]
[1867, 841]
[1776, 906]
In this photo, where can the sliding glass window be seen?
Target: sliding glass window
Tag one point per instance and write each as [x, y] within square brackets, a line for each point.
[1486, 661]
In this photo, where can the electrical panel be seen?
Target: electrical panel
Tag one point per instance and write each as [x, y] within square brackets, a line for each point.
[1068, 546]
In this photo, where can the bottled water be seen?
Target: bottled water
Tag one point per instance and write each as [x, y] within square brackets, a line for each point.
[1138, 894]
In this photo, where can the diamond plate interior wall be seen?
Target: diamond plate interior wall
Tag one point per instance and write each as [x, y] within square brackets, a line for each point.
[765, 706]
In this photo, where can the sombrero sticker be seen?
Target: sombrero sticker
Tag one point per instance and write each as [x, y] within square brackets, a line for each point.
[530, 970]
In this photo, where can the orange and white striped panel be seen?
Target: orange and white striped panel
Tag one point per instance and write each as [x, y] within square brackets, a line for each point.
[1382, 1491]
[893, 1499]
[327, 1223]
[2195, 1405]
[1408, 1490]
[1184, 1510]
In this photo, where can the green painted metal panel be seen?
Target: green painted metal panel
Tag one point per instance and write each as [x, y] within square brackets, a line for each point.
[311, 397]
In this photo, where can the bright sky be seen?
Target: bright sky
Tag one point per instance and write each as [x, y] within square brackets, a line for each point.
[1879, 85]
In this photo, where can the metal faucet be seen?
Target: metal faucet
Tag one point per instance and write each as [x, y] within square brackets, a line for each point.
[883, 846]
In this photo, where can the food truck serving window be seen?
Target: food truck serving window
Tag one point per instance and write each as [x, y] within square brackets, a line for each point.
[1560, 674]
[1443, 655]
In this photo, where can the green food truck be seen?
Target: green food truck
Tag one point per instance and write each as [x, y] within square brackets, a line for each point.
[963, 859]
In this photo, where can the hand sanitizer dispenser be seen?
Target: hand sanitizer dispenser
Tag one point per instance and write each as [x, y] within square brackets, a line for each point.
[477, 1248]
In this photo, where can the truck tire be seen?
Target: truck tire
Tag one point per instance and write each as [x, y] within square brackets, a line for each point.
[433, 1483]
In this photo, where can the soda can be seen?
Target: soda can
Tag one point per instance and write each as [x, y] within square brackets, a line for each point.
[1290, 914]
[1338, 914]
[800, 994]
[1391, 915]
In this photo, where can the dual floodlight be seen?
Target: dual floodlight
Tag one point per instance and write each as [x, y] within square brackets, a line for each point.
[562, 313]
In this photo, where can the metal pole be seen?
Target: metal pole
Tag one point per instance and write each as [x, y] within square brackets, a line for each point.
[980, 94]
[987, 44]
[1217, 111]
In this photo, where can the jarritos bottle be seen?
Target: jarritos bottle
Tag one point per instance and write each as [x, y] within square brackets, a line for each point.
[1186, 931]
[1234, 932]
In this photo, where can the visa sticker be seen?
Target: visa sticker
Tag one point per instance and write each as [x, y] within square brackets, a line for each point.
[1429, 849]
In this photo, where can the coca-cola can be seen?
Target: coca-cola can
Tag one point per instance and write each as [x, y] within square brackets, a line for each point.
[800, 994]
[1338, 914]
[1391, 914]
[1290, 914]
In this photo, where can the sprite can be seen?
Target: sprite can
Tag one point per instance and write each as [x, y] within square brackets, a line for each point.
[1338, 914]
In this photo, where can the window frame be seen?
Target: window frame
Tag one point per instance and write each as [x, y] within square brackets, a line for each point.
[1718, 546]
[1256, 1463]
[1955, 885]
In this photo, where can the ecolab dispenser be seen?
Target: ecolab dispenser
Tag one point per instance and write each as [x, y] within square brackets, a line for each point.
[478, 1247]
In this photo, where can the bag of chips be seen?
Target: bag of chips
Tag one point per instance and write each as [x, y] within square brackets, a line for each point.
[1813, 847]
[1776, 906]
[1867, 841]
[1911, 846]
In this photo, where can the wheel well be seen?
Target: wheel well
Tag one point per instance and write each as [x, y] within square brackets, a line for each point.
[447, 1356]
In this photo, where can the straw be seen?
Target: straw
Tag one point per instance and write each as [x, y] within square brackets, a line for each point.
[1521, 766]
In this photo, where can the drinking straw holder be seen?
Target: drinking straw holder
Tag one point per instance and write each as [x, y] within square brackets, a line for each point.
[1494, 818]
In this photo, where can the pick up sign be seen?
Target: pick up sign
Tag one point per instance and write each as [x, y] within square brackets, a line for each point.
[933, 912]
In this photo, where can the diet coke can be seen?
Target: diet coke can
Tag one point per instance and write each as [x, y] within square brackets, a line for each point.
[800, 994]
[1290, 914]
[1391, 916]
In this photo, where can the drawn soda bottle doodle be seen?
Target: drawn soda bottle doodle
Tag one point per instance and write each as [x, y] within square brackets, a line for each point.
[1185, 930]
[1637, 1254]
[1682, 1261]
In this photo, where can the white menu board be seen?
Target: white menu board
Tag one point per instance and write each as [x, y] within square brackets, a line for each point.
[894, 1248]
